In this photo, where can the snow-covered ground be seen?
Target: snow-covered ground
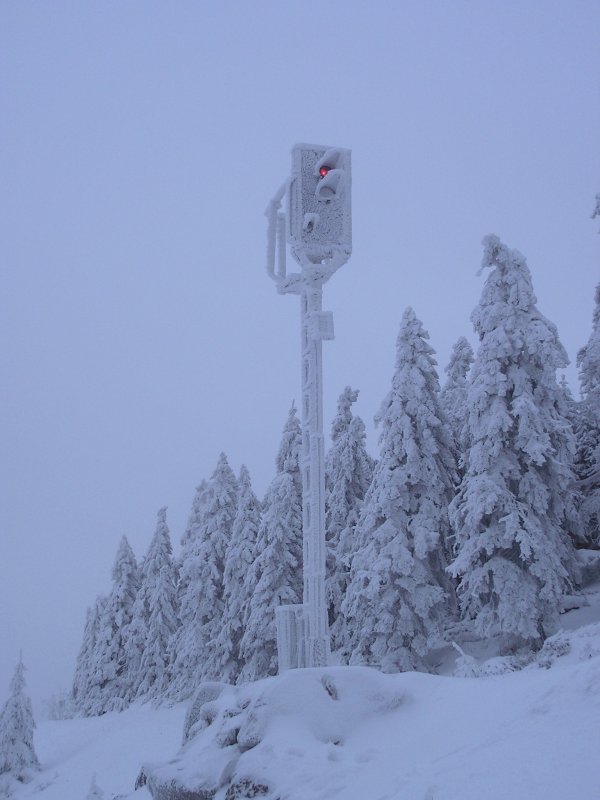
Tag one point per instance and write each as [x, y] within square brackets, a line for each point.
[356, 734]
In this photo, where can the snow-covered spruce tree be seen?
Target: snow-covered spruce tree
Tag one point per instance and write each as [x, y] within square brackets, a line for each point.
[195, 657]
[569, 410]
[237, 588]
[190, 535]
[588, 428]
[185, 654]
[157, 603]
[288, 455]
[514, 555]
[570, 405]
[60, 706]
[348, 475]
[159, 552]
[214, 538]
[112, 635]
[454, 396]
[137, 634]
[398, 596]
[84, 668]
[276, 574]
[17, 754]
[90, 673]
[95, 792]
[102, 673]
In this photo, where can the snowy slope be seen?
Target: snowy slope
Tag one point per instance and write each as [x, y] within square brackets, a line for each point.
[527, 734]
[112, 746]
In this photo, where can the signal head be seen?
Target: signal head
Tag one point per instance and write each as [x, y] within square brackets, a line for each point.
[319, 219]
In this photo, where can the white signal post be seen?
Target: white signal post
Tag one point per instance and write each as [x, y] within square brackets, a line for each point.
[317, 226]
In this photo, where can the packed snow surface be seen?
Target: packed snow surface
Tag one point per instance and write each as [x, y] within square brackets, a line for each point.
[357, 734]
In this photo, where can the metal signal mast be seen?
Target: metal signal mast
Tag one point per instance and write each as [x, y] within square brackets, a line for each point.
[316, 223]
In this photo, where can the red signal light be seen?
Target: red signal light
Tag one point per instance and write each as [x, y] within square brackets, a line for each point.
[323, 171]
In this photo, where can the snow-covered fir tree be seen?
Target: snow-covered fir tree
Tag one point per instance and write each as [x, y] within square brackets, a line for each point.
[194, 521]
[102, 673]
[214, 537]
[454, 395]
[237, 587]
[137, 634]
[276, 574]
[113, 691]
[195, 655]
[514, 555]
[570, 405]
[288, 455]
[397, 597]
[17, 753]
[570, 410]
[60, 706]
[184, 648]
[157, 603]
[84, 686]
[588, 429]
[348, 475]
[95, 792]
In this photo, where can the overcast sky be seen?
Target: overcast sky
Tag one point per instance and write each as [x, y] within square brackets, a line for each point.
[140, 334]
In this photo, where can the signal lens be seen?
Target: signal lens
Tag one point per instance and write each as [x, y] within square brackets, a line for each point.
[323, 171]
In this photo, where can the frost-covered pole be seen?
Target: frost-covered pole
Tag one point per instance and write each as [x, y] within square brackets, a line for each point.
[319, 234]
[313, 474]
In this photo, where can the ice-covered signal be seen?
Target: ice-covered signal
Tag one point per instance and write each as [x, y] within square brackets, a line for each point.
[316, 222]
[319, 212]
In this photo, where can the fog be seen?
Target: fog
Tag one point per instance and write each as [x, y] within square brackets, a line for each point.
[141, 336]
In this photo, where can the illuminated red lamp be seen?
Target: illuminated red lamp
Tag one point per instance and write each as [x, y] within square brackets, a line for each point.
[323, 171]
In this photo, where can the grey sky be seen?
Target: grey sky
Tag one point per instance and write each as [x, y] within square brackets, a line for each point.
[140, 144]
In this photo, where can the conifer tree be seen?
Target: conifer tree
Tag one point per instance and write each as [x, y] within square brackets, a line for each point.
[82, 680]
[396, 599]
[214, 538]
[90, 677]
[570, 411]
[348, 475]
[17, 754]
[276, 574]
[288, 455]
[570, 405]
[514, 556]
[102, 673]
[95, 792]
[185, 656]
[157, 603]
[194, 658]
[194, 521]
[454, 395]
[237, 588]
[137, 634]
[113, 629]
[588, 429]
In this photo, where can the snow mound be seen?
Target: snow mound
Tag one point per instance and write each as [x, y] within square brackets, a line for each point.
[235, 735]
[570, 647]
[354, 733]
[580, 644]
[351, 733]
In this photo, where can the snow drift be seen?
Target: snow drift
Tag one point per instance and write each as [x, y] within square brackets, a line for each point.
[357, 734]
